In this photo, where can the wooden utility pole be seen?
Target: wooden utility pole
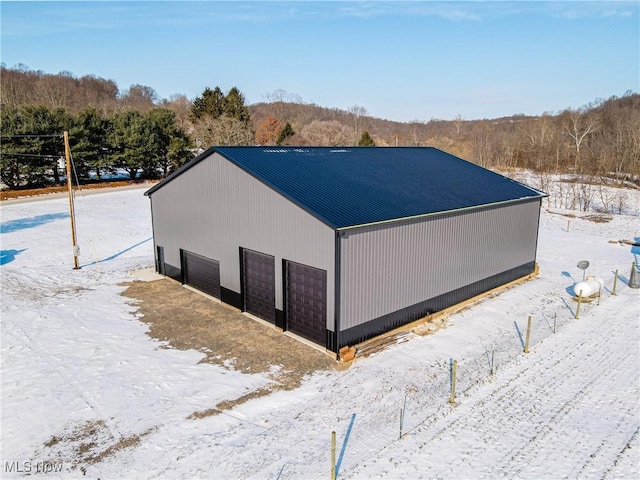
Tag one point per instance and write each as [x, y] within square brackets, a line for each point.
[76, 249]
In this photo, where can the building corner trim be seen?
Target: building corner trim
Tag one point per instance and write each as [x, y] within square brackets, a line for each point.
[336, 299]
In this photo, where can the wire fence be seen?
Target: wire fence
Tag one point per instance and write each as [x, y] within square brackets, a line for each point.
[407, 408]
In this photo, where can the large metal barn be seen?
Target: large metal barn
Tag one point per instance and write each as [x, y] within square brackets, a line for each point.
[338, 245]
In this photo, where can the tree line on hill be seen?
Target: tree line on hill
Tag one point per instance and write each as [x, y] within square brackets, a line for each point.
[599, 139]
[148, 137]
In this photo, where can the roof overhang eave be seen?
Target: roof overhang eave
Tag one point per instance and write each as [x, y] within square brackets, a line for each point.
[191, 163]
[444, 212]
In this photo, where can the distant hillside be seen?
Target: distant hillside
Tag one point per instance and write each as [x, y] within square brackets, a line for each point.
[386, 132]
[602, 138]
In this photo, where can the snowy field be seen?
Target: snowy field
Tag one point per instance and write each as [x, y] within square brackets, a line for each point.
[87, 394]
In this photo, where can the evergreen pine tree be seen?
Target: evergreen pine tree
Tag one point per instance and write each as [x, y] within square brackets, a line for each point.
[134, 142]
[234, 106]
[88, 138]
[366, 140]
[211, 103]
[286, 132]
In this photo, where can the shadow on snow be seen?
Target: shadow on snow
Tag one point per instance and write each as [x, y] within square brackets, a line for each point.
[8, 256]
[116, 255]
[30, 222]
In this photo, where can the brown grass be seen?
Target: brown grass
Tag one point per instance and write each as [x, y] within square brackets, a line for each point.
[87, 444]
[35, 192]
[209, 412]
[187, 320]
[569, 215]
[230, 404]
[599, 217]
[126, 442]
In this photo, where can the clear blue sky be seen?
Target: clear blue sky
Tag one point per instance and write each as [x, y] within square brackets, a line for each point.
[402, 61]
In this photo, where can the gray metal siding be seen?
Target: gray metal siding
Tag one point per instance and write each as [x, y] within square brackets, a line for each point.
[385, 268]
[215, 207]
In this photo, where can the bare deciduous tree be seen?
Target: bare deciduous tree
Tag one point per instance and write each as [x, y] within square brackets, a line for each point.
[416, 130]
[458, 130]
[181, 106]
[326, 134]
[285, 102]
[141, 98]
[482, 144]
[221, 131]
[578, 125]
[55, 91]
[358, 112]
[538, 137]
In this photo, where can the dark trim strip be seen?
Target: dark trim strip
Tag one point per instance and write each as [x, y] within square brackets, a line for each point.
[173, 272]
[241, 257]
[412, 313]
[280, 319]
[283, 323]
[191, 163]
[535, 252]
[183, 268]
[160, 264]
[442, 215]
[333, 341]
[155, 245]
[230, 297]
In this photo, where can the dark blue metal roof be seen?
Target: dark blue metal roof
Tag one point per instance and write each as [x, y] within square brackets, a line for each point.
[361, 185]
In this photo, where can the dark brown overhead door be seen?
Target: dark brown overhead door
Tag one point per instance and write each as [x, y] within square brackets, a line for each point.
[306, 291]
[160, 260]
[259, 278]
[201, 273]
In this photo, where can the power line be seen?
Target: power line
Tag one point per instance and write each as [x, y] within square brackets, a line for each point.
[73, 165]
[30, 136]
[9, 154]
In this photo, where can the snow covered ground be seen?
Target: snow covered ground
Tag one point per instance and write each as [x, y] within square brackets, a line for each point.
[86, 392]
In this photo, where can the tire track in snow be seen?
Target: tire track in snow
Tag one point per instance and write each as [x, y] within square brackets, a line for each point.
[627, 454]
[39, 351]
[570, 397]
[538, 390]
[446, 419]
[509, 430]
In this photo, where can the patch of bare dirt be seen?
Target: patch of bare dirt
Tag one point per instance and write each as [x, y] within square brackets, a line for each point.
[89, 443]
[599, 217]
[229, 404]
[187, 320]
[569, 215]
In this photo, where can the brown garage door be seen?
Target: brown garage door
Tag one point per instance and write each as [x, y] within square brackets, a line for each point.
[160, 268]
[306, 291]
[259, 284]
[201, 273]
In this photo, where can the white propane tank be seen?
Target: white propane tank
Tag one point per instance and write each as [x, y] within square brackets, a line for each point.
[588, 287]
